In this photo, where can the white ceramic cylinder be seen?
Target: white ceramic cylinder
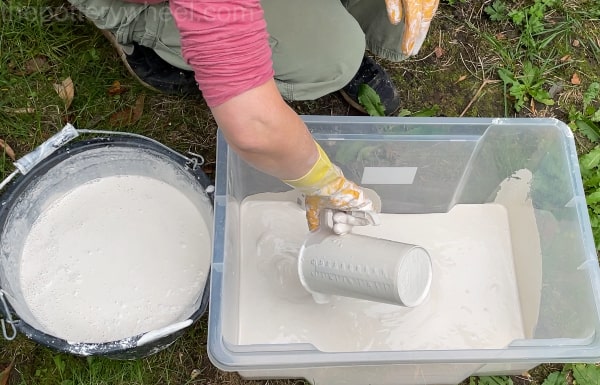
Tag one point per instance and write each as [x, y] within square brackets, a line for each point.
[363, 267]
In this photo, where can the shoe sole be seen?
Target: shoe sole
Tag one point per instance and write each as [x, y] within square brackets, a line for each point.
[123, 56]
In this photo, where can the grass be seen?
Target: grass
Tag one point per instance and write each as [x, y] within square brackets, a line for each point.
[183, 363]
[42, 43]
[507, 60]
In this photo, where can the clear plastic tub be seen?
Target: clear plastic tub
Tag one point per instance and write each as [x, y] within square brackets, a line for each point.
[429, 166]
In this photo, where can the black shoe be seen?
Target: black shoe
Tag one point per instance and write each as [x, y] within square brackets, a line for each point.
[153, 72]
[373, 75]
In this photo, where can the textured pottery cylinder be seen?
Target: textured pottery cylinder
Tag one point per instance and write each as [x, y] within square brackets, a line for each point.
[363, 267]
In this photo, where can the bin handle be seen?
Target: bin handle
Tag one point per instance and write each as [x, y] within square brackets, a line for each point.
[7, 320]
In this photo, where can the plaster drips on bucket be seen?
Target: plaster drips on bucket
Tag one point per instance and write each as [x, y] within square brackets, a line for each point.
[113, 258]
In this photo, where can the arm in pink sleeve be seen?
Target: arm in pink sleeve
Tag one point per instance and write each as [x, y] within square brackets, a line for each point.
[226, 43]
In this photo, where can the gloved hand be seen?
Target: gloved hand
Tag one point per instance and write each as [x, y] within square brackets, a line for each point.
[325, 187]
[417, 15]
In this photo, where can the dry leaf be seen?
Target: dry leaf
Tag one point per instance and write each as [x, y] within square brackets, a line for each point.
[195, 373]
[575, 79]
[565, 58]
[5, 374]
[461, 78]
[439, 52]
[500, 36]
[7, 150]
[575, 43]
[22, 110]
[117, 89]
[129, 115]
[37, 64]
[66, 91]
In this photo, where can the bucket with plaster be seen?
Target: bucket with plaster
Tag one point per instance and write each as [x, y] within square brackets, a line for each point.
[363, 267]
[105, 244]
[498, 204]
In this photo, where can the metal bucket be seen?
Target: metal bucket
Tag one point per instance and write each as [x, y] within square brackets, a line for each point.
[57, 167]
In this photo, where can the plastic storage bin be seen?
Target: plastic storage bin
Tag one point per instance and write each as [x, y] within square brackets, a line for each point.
[437, 164]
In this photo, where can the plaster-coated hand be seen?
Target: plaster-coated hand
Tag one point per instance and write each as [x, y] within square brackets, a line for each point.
[325, 187]
[351, 206]
[344, 221]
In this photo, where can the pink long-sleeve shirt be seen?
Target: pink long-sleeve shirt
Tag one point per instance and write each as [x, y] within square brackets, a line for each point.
[225, 42]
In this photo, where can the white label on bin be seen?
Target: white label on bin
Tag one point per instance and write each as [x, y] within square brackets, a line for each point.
[389, 175]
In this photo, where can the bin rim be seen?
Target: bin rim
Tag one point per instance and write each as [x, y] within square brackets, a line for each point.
[305, 356]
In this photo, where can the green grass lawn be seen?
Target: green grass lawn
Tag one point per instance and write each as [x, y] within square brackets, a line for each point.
[482, 58]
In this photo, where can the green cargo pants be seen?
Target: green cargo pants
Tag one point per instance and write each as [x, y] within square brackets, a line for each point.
[317, 45]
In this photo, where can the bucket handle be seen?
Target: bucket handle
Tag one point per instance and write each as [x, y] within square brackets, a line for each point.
[26, 163]
[194, 161]
[9, 320]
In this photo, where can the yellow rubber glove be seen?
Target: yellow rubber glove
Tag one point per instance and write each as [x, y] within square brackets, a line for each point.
[417, 15]
[325, 187]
